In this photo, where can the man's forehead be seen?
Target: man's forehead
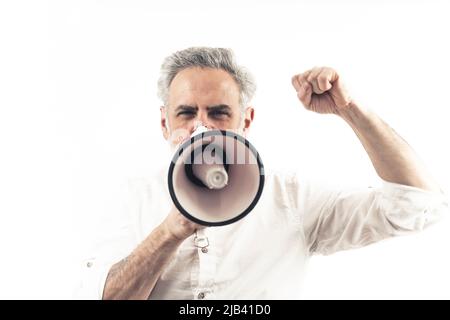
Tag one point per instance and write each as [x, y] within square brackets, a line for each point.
[210, 88]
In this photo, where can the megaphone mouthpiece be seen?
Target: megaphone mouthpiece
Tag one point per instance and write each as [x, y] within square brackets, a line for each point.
[213, 176]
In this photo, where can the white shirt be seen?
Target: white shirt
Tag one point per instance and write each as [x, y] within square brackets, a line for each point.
[263, 255]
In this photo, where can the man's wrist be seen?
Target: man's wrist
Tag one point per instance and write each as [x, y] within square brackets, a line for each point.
[167, 235]
[356, 116]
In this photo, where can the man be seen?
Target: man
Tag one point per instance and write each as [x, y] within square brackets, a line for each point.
[154, 255]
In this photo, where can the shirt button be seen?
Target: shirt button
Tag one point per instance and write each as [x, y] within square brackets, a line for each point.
[201, 295]
[204, 250]
[89, 264]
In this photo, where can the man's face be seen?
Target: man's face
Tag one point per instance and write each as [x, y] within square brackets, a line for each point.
[207, 96]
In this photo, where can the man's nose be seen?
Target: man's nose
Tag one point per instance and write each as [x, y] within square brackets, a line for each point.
[202, 120]
[198, 123]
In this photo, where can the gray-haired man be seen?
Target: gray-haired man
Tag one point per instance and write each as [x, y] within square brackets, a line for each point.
[263, 255]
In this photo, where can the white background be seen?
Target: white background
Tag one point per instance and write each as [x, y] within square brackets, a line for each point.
[79, 113]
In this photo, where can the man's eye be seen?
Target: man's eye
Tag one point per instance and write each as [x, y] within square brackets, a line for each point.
[219, 114]
[186, 113]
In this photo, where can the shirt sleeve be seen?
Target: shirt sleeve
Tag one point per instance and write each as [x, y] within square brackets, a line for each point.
[335, 220]
[114, 242]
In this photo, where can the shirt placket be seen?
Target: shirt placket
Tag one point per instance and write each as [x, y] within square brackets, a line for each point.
[207, 265]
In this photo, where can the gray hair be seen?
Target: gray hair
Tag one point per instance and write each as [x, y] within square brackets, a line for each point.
[205, 57]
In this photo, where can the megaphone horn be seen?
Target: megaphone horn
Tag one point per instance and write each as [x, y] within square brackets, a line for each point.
[216, 178]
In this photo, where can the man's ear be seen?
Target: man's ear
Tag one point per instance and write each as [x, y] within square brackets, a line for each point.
[164, 124]
[248, 118]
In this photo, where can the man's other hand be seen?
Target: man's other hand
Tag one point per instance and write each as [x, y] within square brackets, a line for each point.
[321, 90]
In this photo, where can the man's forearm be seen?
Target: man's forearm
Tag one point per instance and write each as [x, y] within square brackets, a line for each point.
[394, 160]
[136, 276]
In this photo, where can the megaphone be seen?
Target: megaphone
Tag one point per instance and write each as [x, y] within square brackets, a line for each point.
[216, 178]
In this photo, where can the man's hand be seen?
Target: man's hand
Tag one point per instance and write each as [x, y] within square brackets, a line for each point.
[320, 90]
[179, 227]
[136, 276]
